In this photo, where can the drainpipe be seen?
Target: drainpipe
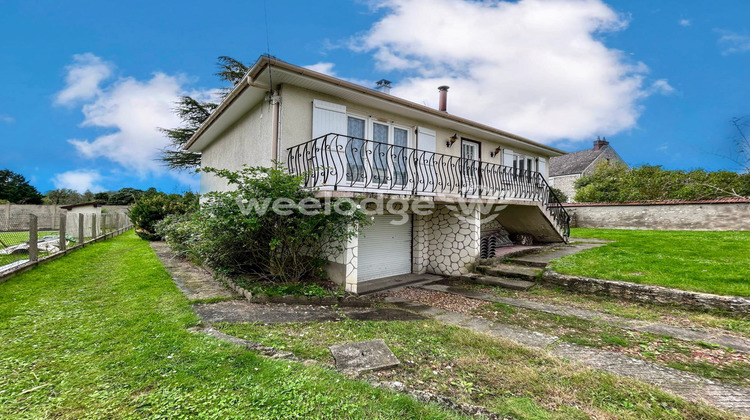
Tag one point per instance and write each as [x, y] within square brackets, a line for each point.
[276, 102]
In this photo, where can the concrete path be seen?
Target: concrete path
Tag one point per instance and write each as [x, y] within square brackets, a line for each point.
[737, 343]
[543, 258]
[193, 281]
[244, 311]
[686, 385]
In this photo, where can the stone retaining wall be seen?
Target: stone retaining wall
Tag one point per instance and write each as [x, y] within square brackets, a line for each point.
[694, 215]
[446, 242]
[16, 216]
[647, 293]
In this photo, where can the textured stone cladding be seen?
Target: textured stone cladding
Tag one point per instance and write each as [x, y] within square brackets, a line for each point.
[446, 242]
[706, 216]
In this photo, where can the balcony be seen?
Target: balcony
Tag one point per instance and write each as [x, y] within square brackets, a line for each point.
[340, 162]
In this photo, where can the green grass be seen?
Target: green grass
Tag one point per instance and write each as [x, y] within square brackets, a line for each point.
[718, 364]
[710, 262]
[470, 367]
[738, 324]
[102, 333]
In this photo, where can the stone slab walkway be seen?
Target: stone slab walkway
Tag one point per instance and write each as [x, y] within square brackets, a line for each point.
[541, 259]
[737, 343]
[193, 281]
[686, 385]
[244, 311]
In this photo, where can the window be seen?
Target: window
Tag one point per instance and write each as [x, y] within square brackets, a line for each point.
[355, 165]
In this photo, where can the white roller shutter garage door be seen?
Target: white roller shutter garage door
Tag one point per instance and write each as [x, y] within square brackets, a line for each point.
[384, 249]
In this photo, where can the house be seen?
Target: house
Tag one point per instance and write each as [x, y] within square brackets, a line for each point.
[86, 209]
[365, 144]
[565, 170]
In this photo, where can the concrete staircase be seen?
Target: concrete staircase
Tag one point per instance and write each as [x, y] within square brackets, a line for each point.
[521, 271]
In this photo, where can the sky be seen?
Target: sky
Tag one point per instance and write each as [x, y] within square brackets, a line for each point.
[87, 84]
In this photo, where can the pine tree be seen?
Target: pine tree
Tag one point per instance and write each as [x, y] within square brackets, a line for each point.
[193, 113]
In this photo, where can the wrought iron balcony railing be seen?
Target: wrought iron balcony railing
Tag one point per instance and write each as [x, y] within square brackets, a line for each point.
[343, 162]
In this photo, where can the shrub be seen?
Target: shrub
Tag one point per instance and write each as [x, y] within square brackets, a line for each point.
[238, 232]
[151, 209]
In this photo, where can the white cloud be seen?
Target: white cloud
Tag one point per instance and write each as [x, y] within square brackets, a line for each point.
[83, 79]
[733, 42]
[7, 119]
[538, 68]
[80, 180]
[132, 111]
[661, 87]
[325, 68]
[685, 22]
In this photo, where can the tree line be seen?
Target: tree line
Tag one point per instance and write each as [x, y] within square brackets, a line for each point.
[616, 183]
[16, 189]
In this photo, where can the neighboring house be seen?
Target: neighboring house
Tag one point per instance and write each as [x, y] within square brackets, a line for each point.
[86, 209]
[360, 143]
[565, 170]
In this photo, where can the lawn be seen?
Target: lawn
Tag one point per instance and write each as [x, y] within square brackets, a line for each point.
[470, 367]
[710, 262]
[102, 333]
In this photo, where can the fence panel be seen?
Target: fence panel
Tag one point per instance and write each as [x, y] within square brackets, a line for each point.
[30, 237]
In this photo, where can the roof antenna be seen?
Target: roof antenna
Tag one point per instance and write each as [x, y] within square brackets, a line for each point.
[268, 47]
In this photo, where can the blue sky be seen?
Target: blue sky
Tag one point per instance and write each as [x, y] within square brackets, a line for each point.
[87, 83]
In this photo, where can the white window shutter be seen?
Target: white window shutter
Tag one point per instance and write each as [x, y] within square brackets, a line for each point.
[425, 174]
[426, 139]
[543, 167]
[508, 157]
[328, 118]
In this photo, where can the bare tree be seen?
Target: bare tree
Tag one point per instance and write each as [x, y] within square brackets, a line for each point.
[741, 139]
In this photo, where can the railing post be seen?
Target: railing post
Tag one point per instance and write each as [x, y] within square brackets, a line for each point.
[63, 223]
[33, 238]
[81, 230]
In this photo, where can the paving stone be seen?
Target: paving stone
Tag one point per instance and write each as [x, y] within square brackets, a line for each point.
[506, 283]
[507, 270]
[193, 281]
[364, 356]
[737, 343]
[383, 314]
[543, 258]
[522, 336]
[244, 311]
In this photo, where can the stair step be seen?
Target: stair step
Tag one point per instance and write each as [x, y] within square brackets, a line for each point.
[528, 263]
[506, 270]
[505, 282]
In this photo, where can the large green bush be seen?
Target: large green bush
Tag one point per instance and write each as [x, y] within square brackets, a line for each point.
[237, 231]
[151, 209]
[614, 182]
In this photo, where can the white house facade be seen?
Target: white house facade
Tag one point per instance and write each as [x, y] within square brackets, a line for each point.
[373, 147]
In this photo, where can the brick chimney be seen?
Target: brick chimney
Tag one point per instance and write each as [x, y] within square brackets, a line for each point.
[600, 142]
[443, 98]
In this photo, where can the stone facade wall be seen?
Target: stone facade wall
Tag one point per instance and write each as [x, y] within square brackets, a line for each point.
[566, 184]
[16, 216]
[685, 216]
[445, 243]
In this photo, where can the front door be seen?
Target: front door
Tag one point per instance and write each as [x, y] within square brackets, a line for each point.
[469, 167]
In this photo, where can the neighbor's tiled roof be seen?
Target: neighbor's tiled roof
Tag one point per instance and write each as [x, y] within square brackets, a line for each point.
[722, 200]
[573, 163]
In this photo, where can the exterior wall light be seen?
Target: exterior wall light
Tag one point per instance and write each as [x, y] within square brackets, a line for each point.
[452, 140]
[496, 152]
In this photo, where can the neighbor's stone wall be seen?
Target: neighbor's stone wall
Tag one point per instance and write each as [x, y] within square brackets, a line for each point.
[16, 216]
[444, 243]
[669, 216]
[566, 184]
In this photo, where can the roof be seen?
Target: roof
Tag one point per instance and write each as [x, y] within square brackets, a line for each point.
[254, 86]
[90, 203]
[573, 163]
